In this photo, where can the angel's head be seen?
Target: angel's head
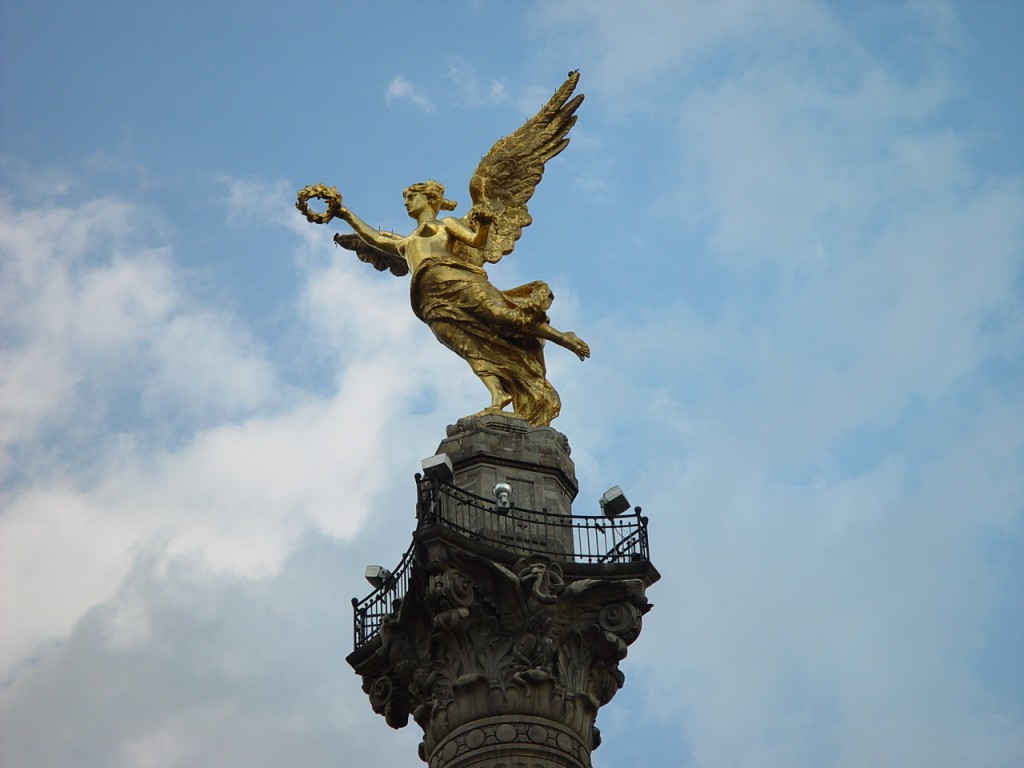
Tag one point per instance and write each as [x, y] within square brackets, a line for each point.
[432, 192]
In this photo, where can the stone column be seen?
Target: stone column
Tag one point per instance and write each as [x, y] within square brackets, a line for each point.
[503, 659]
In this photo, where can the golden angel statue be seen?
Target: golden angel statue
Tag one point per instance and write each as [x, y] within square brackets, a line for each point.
[501, 334]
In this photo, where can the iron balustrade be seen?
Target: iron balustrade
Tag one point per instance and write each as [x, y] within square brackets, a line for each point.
[369, 612]
[564, 538]
[568, 539]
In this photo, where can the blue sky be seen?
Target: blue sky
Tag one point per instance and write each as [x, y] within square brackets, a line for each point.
[792, 233]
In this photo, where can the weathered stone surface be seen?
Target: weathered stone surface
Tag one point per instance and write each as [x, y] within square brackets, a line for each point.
[504, 659]
[520, 648]
[531, 741]
[494, 448]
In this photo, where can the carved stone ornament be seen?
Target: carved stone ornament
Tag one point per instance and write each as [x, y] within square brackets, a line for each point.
[496, 663]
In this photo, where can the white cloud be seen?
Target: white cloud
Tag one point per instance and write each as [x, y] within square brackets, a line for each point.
[400, 89]
[216, 459]
[184, 666]
[96, 321]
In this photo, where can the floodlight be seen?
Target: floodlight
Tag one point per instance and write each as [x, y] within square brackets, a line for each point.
[377, 575]
[613, 502]
[438, 467]
[503, 493]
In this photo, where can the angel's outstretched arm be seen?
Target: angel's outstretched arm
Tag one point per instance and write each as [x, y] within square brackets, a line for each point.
[566, 339]
[385, 241]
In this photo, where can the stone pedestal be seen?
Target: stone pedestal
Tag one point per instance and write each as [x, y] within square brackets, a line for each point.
[495, 448]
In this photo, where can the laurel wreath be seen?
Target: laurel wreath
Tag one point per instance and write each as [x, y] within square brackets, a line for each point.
[321, 192]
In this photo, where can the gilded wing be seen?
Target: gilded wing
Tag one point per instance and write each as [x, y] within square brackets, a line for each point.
[378, 258]
[506, 177]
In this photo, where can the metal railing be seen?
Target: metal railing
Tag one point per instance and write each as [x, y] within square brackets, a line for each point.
[567, 538]
[369, 613]
[585, 539]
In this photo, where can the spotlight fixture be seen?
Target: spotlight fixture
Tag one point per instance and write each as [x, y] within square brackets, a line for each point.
[613, 502]
[438, 467]
[377, 575]
[503, 493]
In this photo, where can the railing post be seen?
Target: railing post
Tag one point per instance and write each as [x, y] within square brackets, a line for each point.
[428, 500]
[355, 623]
[419, 498]
[435, 500]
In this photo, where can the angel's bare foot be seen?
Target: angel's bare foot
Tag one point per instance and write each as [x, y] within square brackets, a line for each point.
[489, 409]
[499, 398]
[577, 345]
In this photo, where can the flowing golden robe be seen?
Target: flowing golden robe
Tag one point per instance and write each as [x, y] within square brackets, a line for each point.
[492, 330]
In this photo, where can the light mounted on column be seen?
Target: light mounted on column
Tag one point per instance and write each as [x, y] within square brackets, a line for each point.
[613, 502]
[503, 493]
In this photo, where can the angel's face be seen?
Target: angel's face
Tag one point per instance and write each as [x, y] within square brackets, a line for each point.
[416, 203]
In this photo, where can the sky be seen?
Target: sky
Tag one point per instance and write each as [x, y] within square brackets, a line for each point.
[792, 233]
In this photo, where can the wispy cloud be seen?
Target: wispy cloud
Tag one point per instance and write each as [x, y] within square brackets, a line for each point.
[400, 89]
[133, 408]
[471, 92]
[224, 653]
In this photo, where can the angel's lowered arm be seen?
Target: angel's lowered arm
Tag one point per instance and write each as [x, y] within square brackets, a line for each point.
[478, 239]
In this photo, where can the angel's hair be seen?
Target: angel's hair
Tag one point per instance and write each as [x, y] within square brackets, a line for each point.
[435, 193]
